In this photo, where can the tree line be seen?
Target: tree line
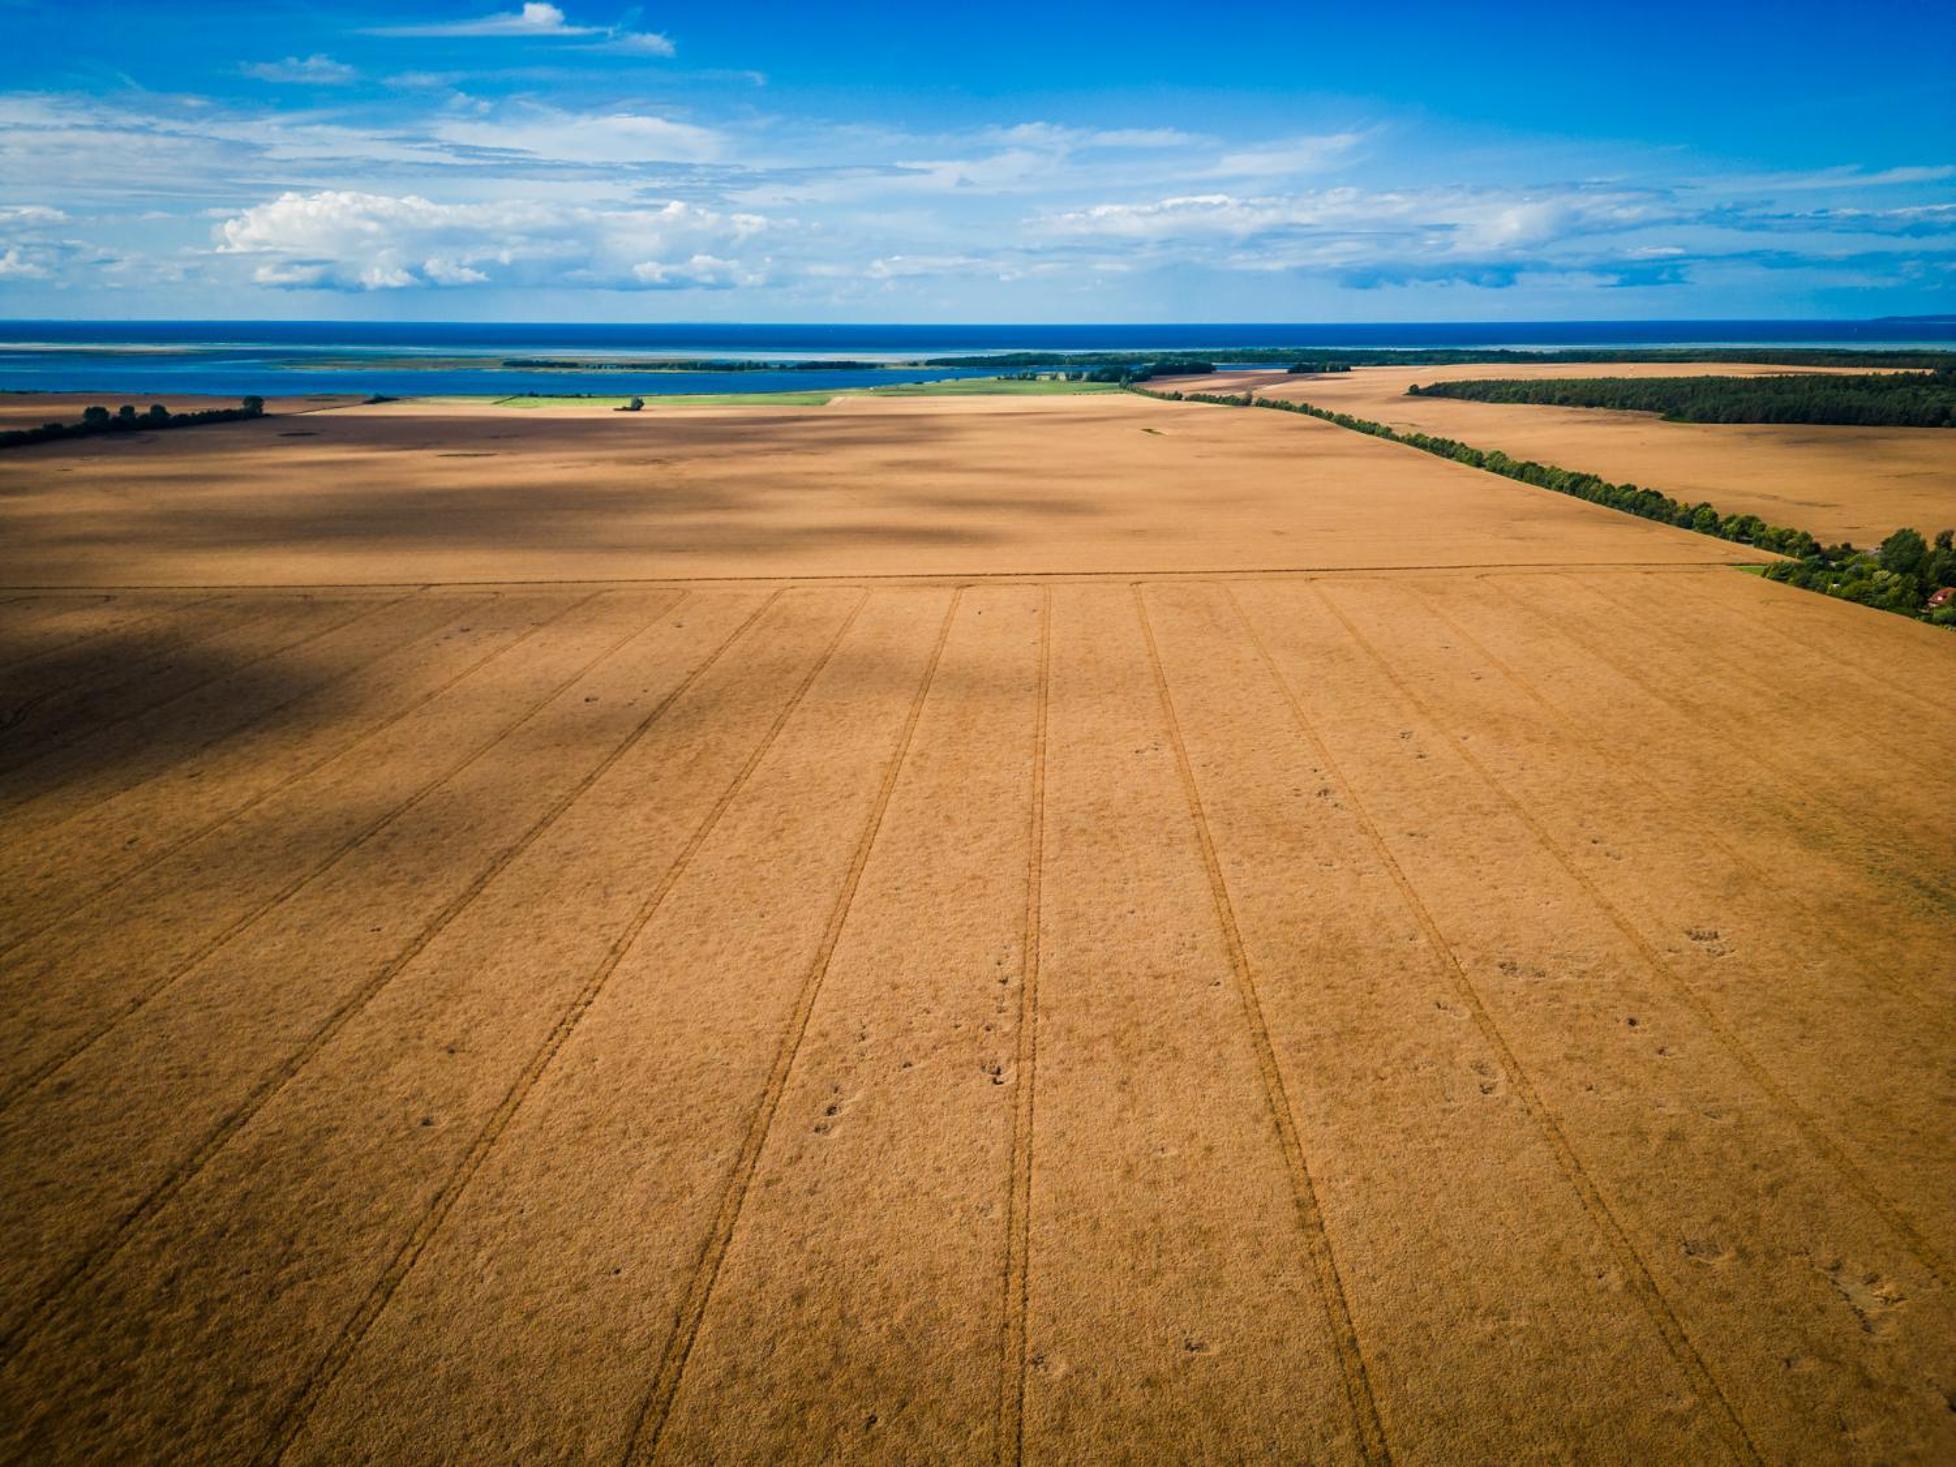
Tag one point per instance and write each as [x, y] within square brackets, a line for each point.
[1900, 575]
[1891, 400]
[99, 420]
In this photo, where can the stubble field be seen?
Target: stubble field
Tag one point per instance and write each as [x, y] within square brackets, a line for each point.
[1058, 930]
[1837, 483]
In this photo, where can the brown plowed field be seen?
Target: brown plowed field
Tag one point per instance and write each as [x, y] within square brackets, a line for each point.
[1855, 484]
[1268, 963]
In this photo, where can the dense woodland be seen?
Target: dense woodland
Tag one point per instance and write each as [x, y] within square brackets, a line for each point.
[1901, 575]
[1891, 400]
[1337, 358]
[99, 420]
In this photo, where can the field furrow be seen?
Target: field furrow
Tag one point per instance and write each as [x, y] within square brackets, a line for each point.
[1172, 1294]
[1394, 1083]
[1743, 1228]
[982, 930]
[572, 1250]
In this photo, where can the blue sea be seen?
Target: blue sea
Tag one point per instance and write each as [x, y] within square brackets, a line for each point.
[231, 358]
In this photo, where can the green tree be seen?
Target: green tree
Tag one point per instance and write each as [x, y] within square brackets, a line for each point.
[1903, 552]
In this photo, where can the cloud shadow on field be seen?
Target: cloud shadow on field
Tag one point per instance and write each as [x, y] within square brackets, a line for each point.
[767, 487]
[151, 692]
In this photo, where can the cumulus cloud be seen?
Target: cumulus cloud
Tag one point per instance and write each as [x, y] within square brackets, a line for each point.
[17, 264]
[308, 71]
[27, 250]
[535, 19]
[343, 240]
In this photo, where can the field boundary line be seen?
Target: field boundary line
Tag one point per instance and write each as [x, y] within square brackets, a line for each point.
[1741, 670]
[1008, 1441]
[212, 593]
[95, 802]
[655, 1407]
[300, 1406]
[1677, 1340]
[1879, 854]
[96, 729]
[953, 578]
[276, 1079]
[1366, 1424]
[245, 919]
[165, 851]
[1638, 772]
[1810, 1130]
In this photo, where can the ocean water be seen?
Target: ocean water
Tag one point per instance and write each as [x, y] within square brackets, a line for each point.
[231, 358]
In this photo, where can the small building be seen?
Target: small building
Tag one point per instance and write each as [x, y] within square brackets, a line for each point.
[1942, 596]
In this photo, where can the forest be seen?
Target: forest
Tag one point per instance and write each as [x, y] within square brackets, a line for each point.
[1886, 400]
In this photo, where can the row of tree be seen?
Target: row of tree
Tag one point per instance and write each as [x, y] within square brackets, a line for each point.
[126, 419]
[1889, 400]
[1143, 371]
[1901, 575]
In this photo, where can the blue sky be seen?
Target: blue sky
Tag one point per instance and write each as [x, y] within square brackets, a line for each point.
[1140, 162]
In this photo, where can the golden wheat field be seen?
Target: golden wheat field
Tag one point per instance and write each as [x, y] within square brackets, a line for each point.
[1854, 484]
[964, 930]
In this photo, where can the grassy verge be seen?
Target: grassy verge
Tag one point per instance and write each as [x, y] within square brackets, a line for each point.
[1901, 575]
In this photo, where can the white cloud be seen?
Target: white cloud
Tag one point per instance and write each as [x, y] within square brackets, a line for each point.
[341, 240]
[16, 265]
[1457, 220]
[701, 272]
[1846, 177]
[1290, 155]
[310, 71]
[573, 137]
[1055, 138]
[645, 43]
[1479, 235]
[536, 19]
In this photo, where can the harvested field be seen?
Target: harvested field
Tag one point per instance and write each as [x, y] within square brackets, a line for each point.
[1855, 484]
[1270, 962]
